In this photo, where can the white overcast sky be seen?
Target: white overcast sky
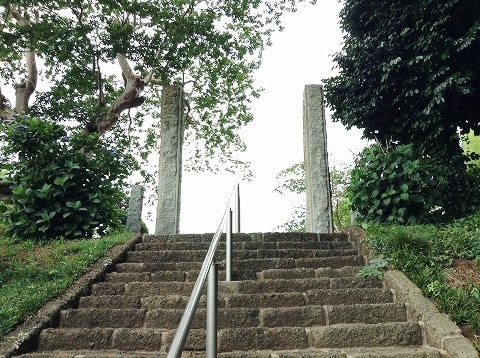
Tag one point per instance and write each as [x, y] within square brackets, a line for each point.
[300, 55]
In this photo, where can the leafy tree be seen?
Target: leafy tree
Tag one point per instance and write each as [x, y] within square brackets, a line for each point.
[292, 180]
[102, 63]
[408, 71]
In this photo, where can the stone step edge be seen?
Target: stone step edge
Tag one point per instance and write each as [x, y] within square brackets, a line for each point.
[260, 237]
[438, 330]
[305, 337]
[301, 316]
[226, 300]
[319, 352]
[24, 337]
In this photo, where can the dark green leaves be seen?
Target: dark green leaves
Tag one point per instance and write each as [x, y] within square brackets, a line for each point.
[61, 186]
[408, 70]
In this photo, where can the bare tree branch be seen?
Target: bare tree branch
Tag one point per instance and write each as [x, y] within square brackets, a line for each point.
[130, 98]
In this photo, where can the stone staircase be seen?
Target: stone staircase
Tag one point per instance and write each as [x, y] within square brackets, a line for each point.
[294, 295]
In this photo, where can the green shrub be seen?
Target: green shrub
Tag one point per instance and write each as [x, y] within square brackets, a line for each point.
[398, 185]
[68, 186]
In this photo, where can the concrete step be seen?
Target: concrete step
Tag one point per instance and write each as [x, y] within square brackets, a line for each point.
[245, 245]
[258, 300]
[371, 352]
[144, 289]
[199, 255]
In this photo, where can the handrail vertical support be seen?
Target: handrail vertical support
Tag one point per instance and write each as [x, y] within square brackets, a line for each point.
[212, 300]
[228, 253]
[237, 210]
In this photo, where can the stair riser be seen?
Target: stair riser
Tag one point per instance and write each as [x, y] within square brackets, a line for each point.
[144, 289]
[298, 273]
[322, 245]
[235, 339]
[191, 276]
[246, 266]
[235, 317]
[288, 263]
[382, 335]
[122, 339]
[299, 285]
[315, 297]
[255, 237]
[199, 255]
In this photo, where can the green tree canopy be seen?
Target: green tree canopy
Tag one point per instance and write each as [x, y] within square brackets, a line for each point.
[408, 71]
[92, 62]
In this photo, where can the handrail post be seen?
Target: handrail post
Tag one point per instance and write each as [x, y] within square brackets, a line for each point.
[212, 298]
[228, 253]
[237, 209]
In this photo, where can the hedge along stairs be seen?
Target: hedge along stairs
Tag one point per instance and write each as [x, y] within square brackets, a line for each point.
[294, 295]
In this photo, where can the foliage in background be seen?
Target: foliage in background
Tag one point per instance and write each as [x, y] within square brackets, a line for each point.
[425, 253]
[292, 180]
[102, 65]
[69, 186]
[408, 71]
[398, 184]
[31, 273]
[471, 144]
[409, 74]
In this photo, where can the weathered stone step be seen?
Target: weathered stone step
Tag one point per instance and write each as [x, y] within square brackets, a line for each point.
[371, 352]
[199, 255]
[297, 285]
[168, 275]
[288, 263]
[298, 316]
[245, 266]
[245, 245]
[144, 289]
[158, 276]
[256, 237]
[303, 272]
[124, 339]
[259, 300]
[366, 335]
[189, 276]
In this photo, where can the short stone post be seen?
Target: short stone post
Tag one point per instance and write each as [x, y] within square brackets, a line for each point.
[170, 162]
[135, 204]
[317, 176]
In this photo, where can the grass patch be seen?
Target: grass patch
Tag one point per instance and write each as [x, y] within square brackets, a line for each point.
[31, 272]
[444, 261]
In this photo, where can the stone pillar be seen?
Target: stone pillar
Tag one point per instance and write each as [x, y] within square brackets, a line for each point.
[317, 177]
[170, 162]
[134, 216]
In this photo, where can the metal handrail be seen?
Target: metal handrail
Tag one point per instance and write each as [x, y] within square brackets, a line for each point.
[183, 329]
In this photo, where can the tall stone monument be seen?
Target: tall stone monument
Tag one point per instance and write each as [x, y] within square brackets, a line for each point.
[170, 162]
[317, 176]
